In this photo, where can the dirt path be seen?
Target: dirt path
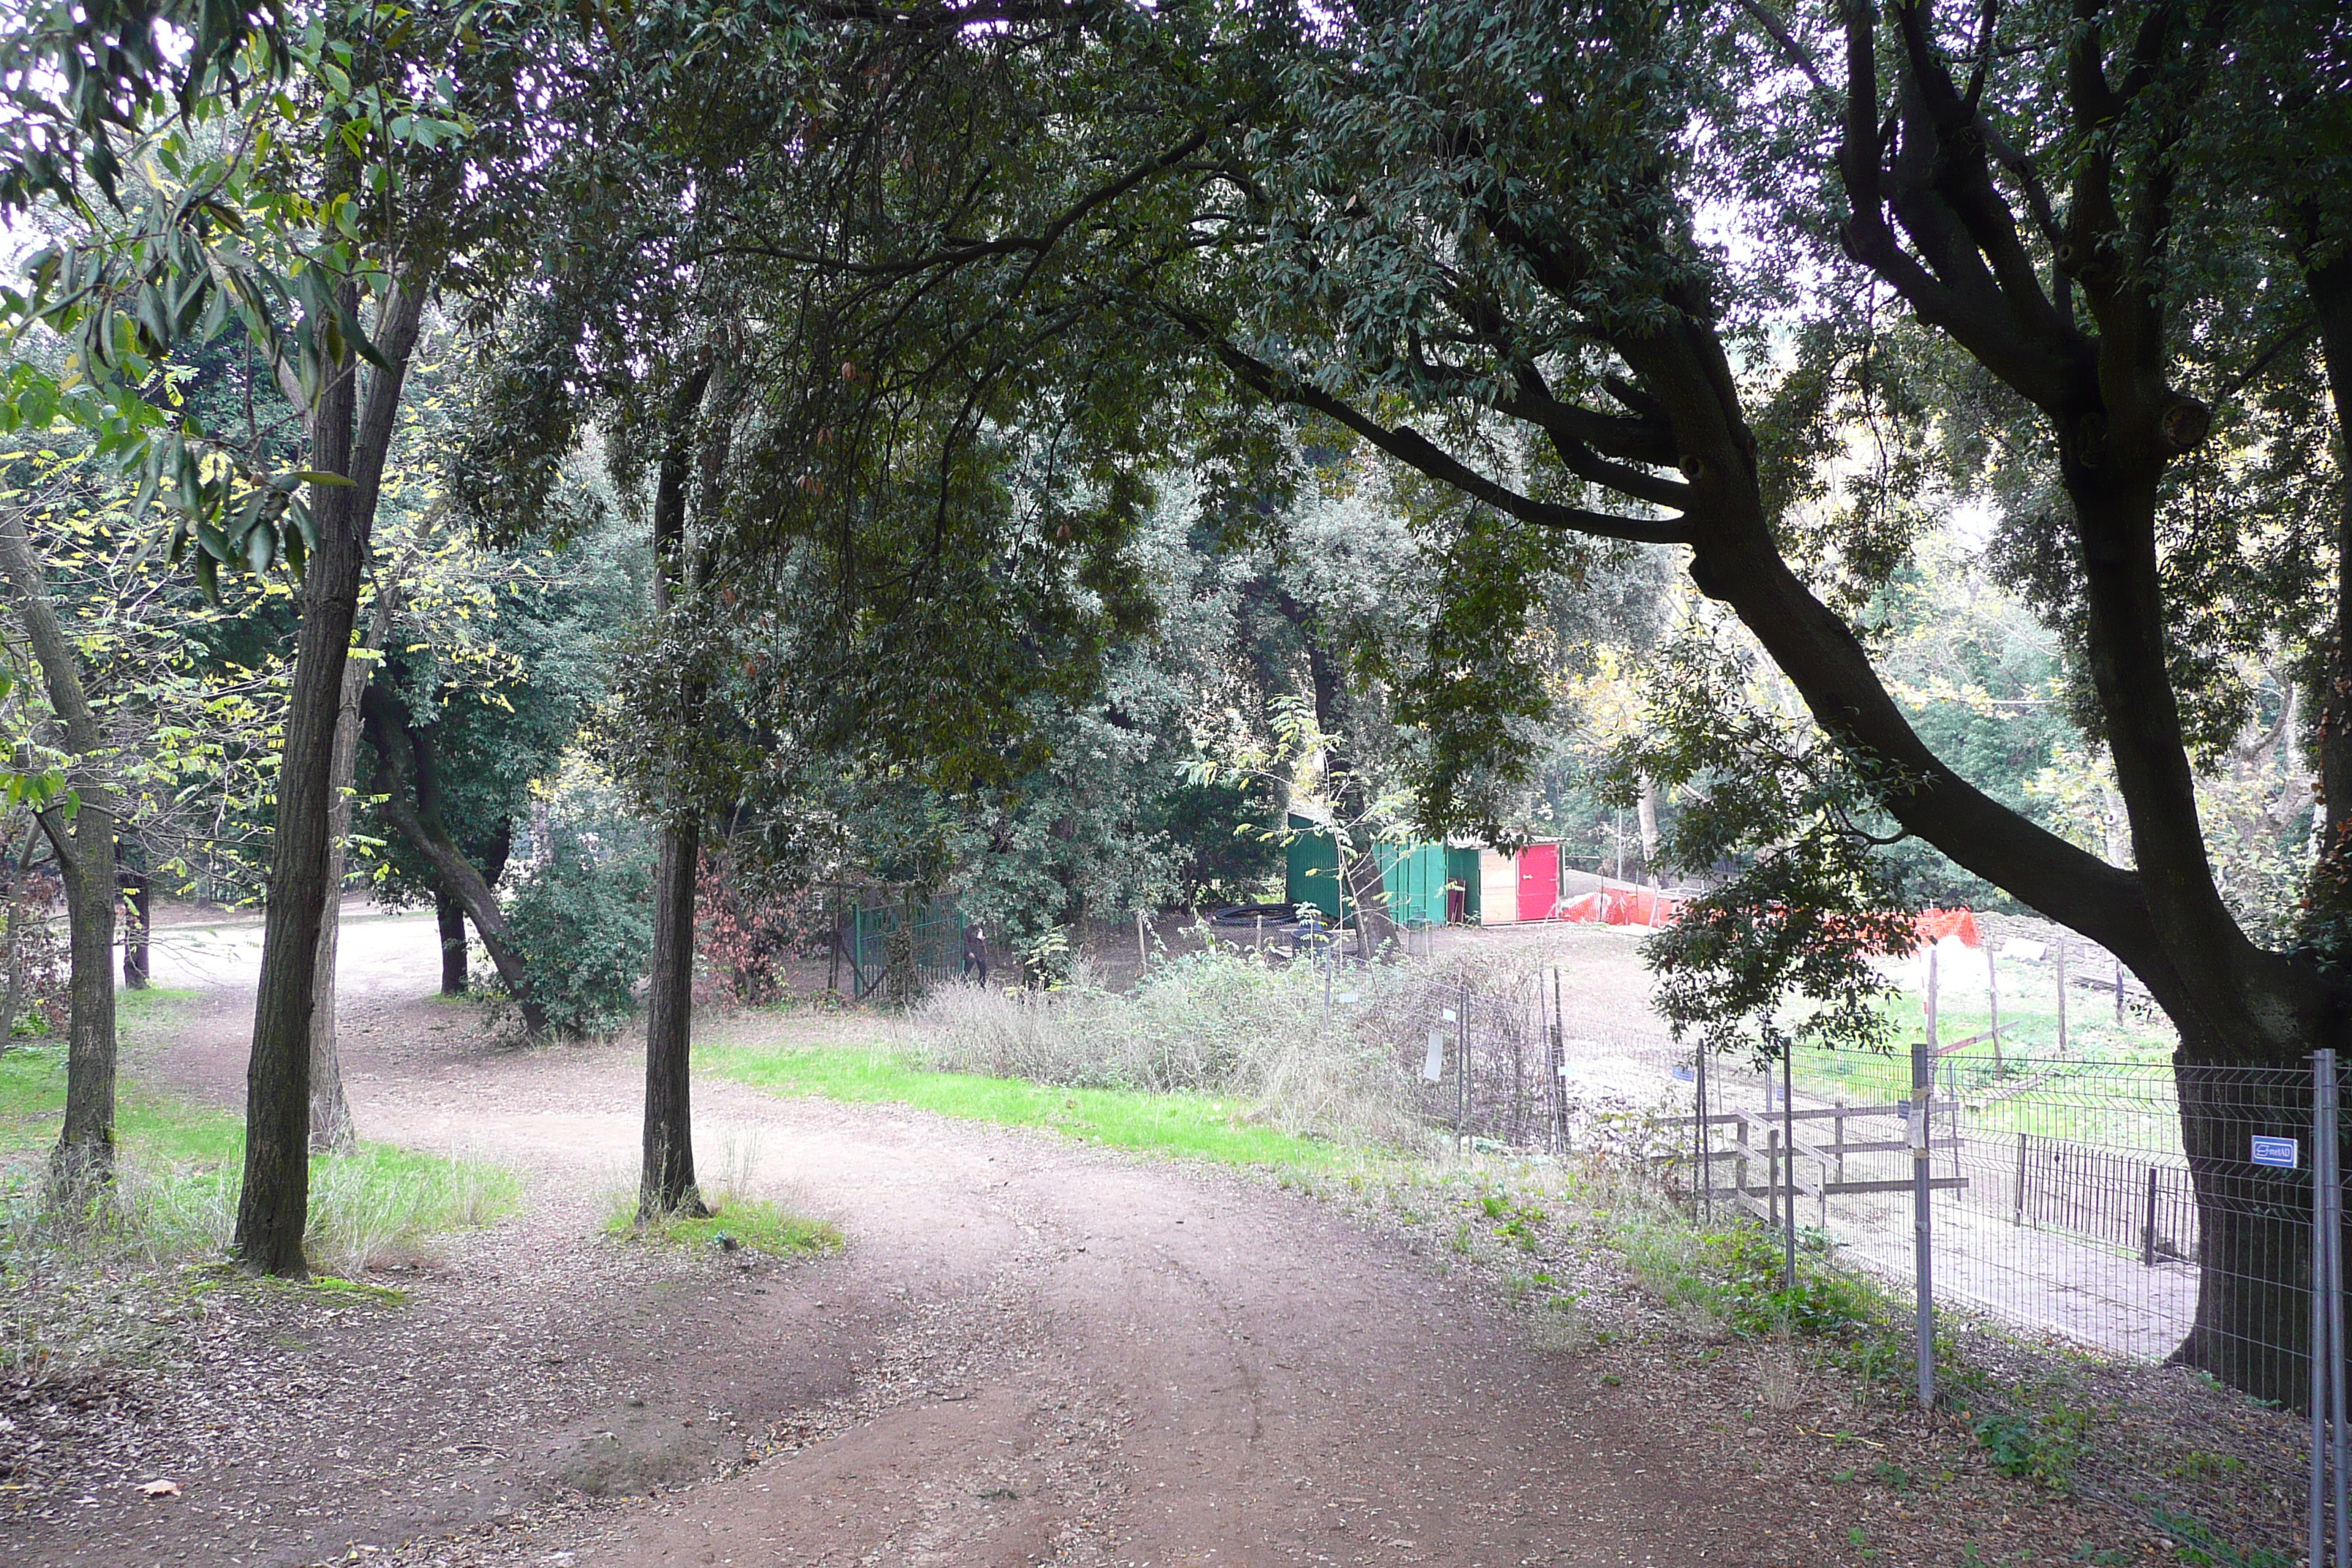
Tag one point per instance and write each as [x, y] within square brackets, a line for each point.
[1028, 1352]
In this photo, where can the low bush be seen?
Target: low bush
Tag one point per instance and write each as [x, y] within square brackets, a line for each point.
[582, 926]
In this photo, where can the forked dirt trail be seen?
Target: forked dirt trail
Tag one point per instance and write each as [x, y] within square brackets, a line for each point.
[1028, 1352]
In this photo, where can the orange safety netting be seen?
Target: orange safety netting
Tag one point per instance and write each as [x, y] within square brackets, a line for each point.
[1935, 925]
[1620, 904]
[1624, 904]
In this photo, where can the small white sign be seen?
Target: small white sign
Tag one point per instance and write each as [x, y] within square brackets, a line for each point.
[1449, 1015]
[2018, 947]
[2282, 1153]
[1434, 1068]
[1347, 996]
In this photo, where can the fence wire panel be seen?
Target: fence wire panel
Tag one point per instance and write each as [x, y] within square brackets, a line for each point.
[902, 949]
[2126, 1210]
[2072, 1197]
[1481, 1057]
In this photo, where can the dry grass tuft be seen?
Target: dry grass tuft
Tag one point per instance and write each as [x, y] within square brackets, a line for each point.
[1215, 1023]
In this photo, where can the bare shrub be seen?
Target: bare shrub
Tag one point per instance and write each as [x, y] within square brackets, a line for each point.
[1780, 1381]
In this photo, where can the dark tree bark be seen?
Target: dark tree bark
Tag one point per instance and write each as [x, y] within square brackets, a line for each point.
[350, 434]
[331, 1128]
[449, 916]
[83, 844]
[20, 875]
[137, 910]
[665, 1184]
[2329, 285]
[409, 791]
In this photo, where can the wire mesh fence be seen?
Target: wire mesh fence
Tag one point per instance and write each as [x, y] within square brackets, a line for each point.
[896, 949]
[2094, 1201]
[2128, 1211]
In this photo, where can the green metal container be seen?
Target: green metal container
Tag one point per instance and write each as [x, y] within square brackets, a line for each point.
[1310, 870]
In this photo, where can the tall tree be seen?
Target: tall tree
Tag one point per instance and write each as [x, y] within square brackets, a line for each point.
[80, 830]
[665, 1182]
[1471, 239]
[347, 190]
[2035, 195]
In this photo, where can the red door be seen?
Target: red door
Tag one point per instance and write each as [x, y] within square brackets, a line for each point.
[1539, 881]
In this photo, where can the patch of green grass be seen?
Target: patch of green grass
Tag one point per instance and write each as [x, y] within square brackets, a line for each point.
[327, 1290]
[1193, 1126]
[753, 1224]
[179, 1166]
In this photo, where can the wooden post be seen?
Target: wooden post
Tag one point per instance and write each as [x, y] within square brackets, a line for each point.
[2021, 1180]
[2119, 993]
[1739, 1133]
[1931, 994]
[2061, 994]
[2147, 1236]
[1992, 1000]
[1142, 954]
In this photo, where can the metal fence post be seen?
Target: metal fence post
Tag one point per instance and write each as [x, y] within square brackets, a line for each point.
[1557, 1069]
[1789, 1147]
[1706, 1134]
[1462, 1079]
[2021, 1171]
[2326, 1319]
[1923, 1099]
[2330, 1240]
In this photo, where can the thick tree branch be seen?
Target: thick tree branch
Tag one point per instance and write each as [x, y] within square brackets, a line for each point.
[1639, 440]
[408, 795]
[1415, 451]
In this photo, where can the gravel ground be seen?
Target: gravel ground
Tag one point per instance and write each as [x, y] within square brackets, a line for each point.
[1029, 1352]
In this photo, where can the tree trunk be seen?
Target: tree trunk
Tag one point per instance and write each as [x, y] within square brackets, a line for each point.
[350, 435]
[451, 919]
[330, 1109]
[667, 1183]
[331, 1128]
[2253, 1326]
[2330, 893]
[84, 849]
[1646, 815]
[137, 910]
[409, 787]
[14, 1005]
[1367, 896]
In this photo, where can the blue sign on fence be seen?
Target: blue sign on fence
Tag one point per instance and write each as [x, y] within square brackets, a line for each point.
[2285, 1153]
